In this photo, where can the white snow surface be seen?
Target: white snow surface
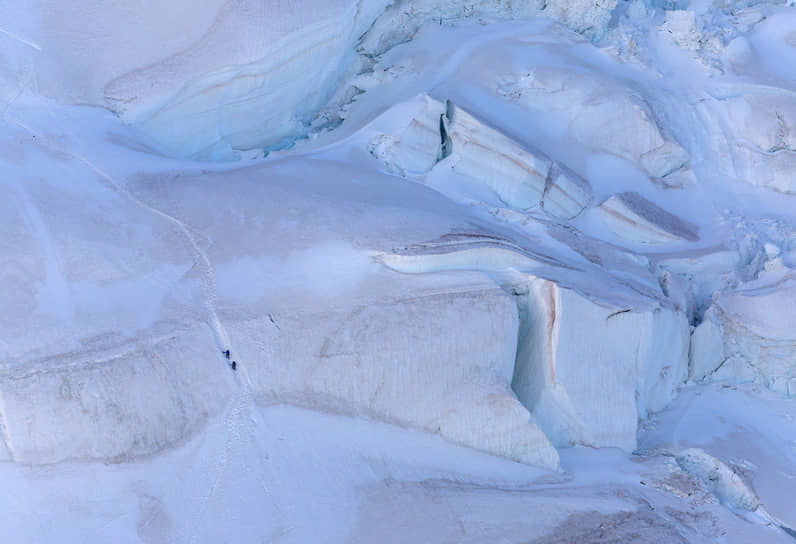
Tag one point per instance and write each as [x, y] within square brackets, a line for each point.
[471, 260]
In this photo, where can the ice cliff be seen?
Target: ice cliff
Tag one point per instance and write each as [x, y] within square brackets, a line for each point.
[225, 78]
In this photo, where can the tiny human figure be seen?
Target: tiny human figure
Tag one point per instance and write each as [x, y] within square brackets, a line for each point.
[226, 354]
[234, 365]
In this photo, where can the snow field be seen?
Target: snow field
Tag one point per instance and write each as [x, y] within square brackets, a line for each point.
[488, 247]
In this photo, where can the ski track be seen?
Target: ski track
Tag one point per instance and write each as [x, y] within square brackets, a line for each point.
[238, 412]
[239, 423]
[20, 39]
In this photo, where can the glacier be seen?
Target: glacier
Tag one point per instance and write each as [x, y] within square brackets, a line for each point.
[470, 260]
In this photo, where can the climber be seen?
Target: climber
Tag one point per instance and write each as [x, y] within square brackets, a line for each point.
[226, 354]
[234, 365]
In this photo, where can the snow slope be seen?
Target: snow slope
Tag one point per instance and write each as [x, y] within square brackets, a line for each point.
[483, 262]
[368, 481]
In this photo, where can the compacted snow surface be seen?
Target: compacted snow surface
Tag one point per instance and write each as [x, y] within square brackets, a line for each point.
[486, 271]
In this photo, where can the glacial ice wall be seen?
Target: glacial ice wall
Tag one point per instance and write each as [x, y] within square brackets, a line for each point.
[485, 165]
[215, 80]
[230, 79]
[201, 78]
[589, 371]
[439, 361]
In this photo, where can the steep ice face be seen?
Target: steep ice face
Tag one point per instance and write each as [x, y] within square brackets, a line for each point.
[439, 361]
[270, 95]
[205, 80]
[482, 165]
[582, 377]
[706, 352]
[215, 80]
[764, 139]
[749, 335]
[264, 100]
[586, 371]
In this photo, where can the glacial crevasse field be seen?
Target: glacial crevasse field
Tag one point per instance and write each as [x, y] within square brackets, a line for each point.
[489, 271]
